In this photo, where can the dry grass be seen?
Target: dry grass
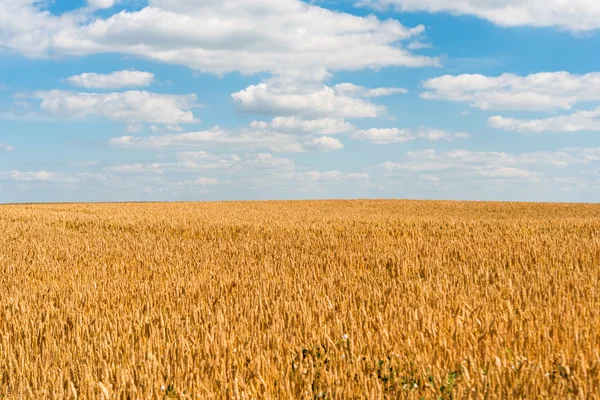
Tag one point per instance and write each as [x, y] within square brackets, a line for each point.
[361, 299]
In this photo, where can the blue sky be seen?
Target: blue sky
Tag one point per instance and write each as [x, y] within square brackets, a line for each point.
[134, 100]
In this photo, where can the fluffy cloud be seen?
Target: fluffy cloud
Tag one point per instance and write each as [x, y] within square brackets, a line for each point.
[203, 181]
[509, 173]
[195, 161]
[325, 143]
[214, 36]
[255, 136]
[574, 15]
[134, 128]
[464, 168]
[6, 147]
[440, 134]
[417, 45]
[28, 29]
[350, 89]
[334, 175]
[115, 80]
[131, 106]
[452, 165]
[309, 97]
[541, 91]
[215, 136]
[321, 126]
[100, 4]
[578, 121]
[395, 135]
[35, 176]
[493, 165]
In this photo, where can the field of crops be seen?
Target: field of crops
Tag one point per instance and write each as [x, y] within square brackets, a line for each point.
[315, 300]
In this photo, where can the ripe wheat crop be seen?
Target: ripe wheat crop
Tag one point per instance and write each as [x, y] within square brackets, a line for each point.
[308, 300]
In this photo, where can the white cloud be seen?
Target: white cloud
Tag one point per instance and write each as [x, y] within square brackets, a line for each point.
[465, 163]
[254, 136]
[578, 121]
[134, 128]
[174, 128]
[25, 27]
[192, 162]
[203, 181]
[6, 147]
[461, 164]
[310, 98]
[573, 15]
[350, 89]
[445, 170]
[214, 36]
[115, 80]
[510, 173]
[217, 136]
[131, 106]
[541, 91]
[321, 126]
[395, 135]
[166, 128]
[35, 176]
[331, 176]
[195, 155]
[418, 45]
[439, 134]
[100, 4]
[268, 161]
[3, 87]
[325, 143]
[384, 135]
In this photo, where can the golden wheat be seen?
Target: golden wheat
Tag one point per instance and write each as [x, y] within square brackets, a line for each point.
[331, 299]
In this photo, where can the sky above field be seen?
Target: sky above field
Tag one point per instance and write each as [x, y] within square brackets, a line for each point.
[135, 100]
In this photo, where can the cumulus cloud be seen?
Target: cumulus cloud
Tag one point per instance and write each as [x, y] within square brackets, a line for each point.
[131, 106]
[509, 173]
[254, 136]
[350, 89]
[333, 175]
[574, 15]
[440, 134]
[450, 169]
[321, 126]
[492, 165]
[418, 45]
[541, 91]
[115, 80]
[264, 161]
[463, 163]
[26, 28]
[310, 98]
[134, 128]
[215, 136]
[325, 143]
[35, 176]
[195, 161]
[101, 4]
[214, 36]
[395, 135]
[203, 181]
[578, 121]
[6, 147]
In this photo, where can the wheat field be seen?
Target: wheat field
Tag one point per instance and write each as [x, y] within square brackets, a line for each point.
[307, 300]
